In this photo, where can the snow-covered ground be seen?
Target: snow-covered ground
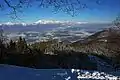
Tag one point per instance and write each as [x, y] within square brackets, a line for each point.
[84, 74]
[8, 72]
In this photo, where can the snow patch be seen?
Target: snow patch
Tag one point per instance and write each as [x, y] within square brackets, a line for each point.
[84, 74]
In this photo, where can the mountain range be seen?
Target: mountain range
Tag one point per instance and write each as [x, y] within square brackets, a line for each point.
[44, 22]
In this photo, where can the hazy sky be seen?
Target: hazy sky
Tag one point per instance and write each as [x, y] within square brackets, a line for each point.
[105, 12]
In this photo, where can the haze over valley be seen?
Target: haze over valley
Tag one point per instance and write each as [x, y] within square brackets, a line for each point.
[44, 30]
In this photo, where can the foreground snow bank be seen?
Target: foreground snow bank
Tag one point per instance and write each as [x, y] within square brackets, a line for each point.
[84, 74]
[8, 72]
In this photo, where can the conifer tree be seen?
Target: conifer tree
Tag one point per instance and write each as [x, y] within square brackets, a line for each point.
[21, 45]
[12, 46]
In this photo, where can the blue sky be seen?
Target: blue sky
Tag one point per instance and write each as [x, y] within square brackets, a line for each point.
[105, 12]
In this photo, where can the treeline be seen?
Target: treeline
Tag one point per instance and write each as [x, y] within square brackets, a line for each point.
[42, 56]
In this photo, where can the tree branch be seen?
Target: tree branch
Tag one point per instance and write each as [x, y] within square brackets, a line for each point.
[71, 7]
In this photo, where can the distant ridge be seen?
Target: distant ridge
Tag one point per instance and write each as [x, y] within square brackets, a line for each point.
[44, 22]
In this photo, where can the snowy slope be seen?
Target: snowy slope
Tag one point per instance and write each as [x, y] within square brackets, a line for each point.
[8, 72]
[84, 74]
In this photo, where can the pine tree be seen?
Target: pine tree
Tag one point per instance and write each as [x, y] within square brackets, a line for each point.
[12, 46]
[2, 46]
[21, 45]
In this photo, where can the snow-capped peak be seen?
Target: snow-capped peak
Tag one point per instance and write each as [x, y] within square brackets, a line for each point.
[57, 22]
[47, 22]
[8, 23]
[81, 22]
[11, 23]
